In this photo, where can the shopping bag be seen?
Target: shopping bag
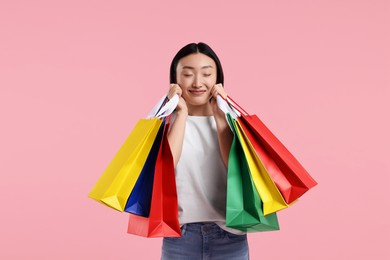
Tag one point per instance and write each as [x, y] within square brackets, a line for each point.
[271, 198]
[163, 220]
[116, 183]
[292, 170]
[282, 183]
[140, 198]
[243, 203]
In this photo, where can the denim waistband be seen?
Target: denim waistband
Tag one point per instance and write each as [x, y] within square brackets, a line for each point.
[202, 227]
[205, 240]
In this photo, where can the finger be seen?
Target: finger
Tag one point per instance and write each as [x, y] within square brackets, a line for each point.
[179, 90]
[173, 86]
[171, 91]
[215, 93]
[174, 89]
[222, 92]
[218, 88]
[213, 102]
[170, 94]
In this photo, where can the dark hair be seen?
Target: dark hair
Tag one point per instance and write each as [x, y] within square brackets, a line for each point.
[195, 48]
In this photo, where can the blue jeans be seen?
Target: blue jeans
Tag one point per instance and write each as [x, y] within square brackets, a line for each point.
[201, 241]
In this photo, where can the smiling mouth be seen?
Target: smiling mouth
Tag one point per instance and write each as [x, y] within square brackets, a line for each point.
[197, 92]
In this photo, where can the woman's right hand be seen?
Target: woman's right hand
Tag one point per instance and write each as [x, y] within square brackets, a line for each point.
[182, 105]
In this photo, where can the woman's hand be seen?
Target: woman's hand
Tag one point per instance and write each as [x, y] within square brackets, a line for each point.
[175, 89]
[215, 91]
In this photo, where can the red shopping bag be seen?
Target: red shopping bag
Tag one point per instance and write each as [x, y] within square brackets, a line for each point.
[288, 174]
[163, 220]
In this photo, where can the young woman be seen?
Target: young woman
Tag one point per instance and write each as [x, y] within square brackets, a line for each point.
[200, 140]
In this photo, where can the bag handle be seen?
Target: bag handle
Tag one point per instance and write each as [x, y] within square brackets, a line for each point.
[227, 108]
[163, 108]
[169, 107]
[157, 107]
[236, 106]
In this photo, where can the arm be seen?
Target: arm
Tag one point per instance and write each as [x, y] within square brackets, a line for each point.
[176, 131]
[176, 135]
[225, 136]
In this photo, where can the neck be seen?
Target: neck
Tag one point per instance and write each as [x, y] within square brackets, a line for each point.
[204, 110]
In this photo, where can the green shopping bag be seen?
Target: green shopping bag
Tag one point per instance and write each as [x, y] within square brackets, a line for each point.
[243, 203]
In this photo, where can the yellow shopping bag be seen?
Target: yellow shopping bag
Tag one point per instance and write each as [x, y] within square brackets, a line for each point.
[116, 183]
[270, 195]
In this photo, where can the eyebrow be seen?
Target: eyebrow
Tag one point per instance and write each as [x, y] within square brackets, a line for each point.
[204, 67]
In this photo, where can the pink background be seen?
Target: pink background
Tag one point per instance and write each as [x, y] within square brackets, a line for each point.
[75, 76]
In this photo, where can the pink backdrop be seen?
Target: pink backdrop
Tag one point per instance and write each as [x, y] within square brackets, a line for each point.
[75, 76]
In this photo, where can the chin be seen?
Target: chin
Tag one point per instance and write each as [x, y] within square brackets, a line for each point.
[200, 103]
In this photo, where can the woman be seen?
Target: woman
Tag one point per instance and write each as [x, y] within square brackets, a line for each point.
[200, 140]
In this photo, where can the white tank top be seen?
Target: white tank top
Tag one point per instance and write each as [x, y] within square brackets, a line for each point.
[201, 175]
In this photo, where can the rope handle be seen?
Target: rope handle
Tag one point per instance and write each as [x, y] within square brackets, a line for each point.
[236, 106]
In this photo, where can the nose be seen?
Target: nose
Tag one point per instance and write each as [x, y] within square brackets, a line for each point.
[197, 82]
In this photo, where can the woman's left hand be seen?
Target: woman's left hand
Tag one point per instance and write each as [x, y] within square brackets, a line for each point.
[215, 91]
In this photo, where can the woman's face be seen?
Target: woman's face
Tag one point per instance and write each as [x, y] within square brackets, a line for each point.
[196, 74]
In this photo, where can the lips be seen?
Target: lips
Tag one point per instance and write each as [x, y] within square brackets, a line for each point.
[197, 91]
